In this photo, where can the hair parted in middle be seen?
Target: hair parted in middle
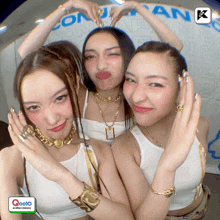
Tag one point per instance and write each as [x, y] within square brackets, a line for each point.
[127, 49]
[49, 59]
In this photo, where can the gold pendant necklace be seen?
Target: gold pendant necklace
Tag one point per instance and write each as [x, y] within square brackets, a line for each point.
[156, 142]
[56, 143]
[108, 99]
[109, 131]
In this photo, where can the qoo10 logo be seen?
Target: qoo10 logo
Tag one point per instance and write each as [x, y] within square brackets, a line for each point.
[15, 202]
[22, 204]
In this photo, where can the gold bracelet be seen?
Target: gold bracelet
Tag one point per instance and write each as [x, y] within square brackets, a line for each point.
[63, 9]
[169, 192]
[88, 200]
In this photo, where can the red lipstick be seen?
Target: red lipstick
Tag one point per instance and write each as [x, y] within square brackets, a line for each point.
[58, 128]
[103, 75]
[141, 109]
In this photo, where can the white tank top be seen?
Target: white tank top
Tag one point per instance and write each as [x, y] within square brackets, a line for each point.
[95, 129]
[188, 177]
[52, 201]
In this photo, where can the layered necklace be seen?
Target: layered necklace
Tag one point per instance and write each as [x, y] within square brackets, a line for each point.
[109, 130]
[56, 143]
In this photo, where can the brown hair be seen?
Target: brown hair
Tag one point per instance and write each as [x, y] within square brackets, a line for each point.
[46, 59]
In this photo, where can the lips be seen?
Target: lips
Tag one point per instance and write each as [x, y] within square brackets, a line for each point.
[141, 109]
[103, 75]
[58, 128]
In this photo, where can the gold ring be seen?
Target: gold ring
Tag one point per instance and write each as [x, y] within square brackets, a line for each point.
[100, 11]
[27, 130]
[180, 108]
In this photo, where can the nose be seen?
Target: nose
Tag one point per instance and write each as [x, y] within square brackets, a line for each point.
[139, 94]
[102, 63]
[51, 116]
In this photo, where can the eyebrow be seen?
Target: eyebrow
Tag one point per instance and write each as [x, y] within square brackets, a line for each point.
[30, 102]
[109, 48]
[149, 77]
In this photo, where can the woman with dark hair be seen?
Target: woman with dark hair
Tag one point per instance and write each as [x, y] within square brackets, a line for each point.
[71, 178]
[163, 156]
[106, 54]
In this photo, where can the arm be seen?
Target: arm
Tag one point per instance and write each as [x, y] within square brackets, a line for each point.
[38, 35]
[144, 202]
[162, 31]
[114, 205]
[10, 169]
[39, 157]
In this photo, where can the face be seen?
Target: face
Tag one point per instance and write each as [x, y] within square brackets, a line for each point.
[47, 103]
[103, 61]
[151, 87]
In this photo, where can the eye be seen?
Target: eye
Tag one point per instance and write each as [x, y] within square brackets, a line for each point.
[156, 85]
[33, 108]
[61, 98]
[89, 57]
[129, 80]
[114, 54]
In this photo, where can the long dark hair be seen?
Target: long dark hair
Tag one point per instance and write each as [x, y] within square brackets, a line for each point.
[127, 49]
[160, 47]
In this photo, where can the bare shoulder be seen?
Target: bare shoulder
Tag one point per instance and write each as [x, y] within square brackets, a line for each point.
[125, 142]
[11, 161]
[102, 150]
[203, 129]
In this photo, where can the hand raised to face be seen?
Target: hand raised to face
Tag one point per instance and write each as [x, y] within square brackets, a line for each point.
[32, 148]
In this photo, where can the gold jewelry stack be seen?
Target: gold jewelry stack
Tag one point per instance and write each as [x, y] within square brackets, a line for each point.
[109, 131]
[56, 143]
[109, 99]
[88, 200]
[155, 141]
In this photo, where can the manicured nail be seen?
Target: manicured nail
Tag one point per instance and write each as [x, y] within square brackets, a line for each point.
[184, 73]
[187, 79]
[10, 127]
[20, 112]
[195, 97]
[10, 115]
[12, 109]
[179, 78]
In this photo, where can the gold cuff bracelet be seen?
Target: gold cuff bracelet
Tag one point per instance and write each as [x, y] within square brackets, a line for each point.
[88, 200]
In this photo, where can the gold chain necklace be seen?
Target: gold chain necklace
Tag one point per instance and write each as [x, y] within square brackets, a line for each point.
[109, 99]
[56, 143]
[156, 142]
[109, 131]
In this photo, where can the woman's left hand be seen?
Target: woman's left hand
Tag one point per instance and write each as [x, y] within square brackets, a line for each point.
[117, 12]
[33, 150]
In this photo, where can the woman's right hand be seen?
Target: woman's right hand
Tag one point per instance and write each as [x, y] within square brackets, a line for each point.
[184, 127]
[89, 9]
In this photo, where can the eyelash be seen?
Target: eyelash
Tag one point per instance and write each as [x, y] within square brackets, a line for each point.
[129, 79]
[156, 85]
[59, 99]
[92, 56]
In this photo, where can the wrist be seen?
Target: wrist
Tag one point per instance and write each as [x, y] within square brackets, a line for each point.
[71, 184]
[68, 5]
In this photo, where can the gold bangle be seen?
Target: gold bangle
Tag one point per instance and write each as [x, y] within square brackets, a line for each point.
[169, 192]
[63, 9]
[88, 200]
